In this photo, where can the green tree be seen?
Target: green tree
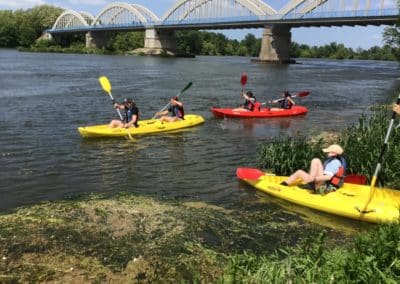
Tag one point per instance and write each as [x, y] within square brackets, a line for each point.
[128, 41]
[8, 31]
[391, 36]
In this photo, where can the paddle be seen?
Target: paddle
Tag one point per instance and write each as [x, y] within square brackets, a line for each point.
[180, 93]
[243, 80]
[298, 95]
[379, 164]
[106, 85]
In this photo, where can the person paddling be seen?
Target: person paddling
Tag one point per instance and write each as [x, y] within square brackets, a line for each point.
[249, 102]
[286, 102]
[176, 110]
[131, 117]
[322, 177]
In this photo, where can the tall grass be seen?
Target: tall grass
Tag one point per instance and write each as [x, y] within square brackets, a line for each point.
[372, 257]
[362, 144]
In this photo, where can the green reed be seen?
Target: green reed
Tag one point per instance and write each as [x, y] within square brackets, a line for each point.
[361, 142]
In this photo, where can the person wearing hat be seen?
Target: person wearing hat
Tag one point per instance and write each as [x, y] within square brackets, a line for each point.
[131, 116]
[286, 101]
[322, 177]
[249, 102]
[176, 110]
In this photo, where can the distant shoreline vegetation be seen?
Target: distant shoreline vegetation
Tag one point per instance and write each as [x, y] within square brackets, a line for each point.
[22, 28]
[216, 44]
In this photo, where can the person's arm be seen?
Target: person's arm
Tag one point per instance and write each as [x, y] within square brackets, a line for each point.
[329, 171]
[178, 103]
[132, 122]
[292, 101]
[119, 106]
[162, 113]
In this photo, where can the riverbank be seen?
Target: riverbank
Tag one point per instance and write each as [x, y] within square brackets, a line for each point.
[129, 238]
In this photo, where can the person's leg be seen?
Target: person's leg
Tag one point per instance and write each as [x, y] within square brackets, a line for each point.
[316, 169]
[115, 123]
[299, 174]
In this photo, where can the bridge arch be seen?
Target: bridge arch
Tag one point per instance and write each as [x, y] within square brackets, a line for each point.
[301, 6]
[184, 8]
[123, 13]
[73, 19]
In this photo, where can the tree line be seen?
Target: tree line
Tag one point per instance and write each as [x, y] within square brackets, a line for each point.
[22, 28]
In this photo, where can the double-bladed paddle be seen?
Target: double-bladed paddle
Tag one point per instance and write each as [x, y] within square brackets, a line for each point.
[106, 85]
[180, 93]
[243, 80]
[298, 95]
[379, 164]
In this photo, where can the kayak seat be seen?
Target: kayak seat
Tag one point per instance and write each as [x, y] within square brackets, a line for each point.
[257, 107]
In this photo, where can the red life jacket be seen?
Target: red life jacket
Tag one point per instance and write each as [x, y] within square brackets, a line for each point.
[338, 179]
[248, 104]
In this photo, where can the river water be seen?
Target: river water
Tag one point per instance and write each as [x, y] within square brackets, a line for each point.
[46, 97]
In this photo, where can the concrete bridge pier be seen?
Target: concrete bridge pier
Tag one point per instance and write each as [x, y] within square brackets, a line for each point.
[275, 46]
[96, 39]
[159, 41]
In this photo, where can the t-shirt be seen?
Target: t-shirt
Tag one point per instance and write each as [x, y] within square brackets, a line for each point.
[131, 112]
[332, 167]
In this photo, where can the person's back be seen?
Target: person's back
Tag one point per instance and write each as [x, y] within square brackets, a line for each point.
[287, 102]
[249, 101]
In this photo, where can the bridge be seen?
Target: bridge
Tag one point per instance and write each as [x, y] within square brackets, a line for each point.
[226, 14]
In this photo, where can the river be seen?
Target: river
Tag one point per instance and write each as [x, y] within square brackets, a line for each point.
[46, 97]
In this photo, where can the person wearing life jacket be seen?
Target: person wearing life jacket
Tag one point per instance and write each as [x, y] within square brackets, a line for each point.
[249, 102]
[131, 116]
[322, 177]
[286, 102]
[176, 110]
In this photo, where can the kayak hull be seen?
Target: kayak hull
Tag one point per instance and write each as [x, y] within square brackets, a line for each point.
[348, 201]
[262, 113]
[150, 126]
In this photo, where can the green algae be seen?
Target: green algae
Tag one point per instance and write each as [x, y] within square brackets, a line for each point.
[131, 238]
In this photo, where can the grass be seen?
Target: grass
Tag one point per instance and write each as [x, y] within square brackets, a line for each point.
[130, 238]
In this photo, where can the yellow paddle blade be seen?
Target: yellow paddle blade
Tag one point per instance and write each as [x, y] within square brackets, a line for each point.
[105, 84]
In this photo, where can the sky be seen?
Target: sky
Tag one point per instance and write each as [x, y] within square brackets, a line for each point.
[354, 37]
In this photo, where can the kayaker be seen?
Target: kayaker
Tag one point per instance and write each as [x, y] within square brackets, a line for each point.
[285, 103]
[322, 177]
[131, 117]
[176, 110]
[249, 102]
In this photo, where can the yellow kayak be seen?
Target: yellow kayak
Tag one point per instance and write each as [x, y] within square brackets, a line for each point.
[149, 126]
[349, 201]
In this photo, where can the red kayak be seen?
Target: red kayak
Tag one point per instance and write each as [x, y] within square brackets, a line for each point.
[258, 113]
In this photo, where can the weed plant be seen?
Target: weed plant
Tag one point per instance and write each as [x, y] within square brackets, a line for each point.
[373, 257]
[362, 144]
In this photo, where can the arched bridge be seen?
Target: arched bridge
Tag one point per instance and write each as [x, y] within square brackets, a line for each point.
[224, 14]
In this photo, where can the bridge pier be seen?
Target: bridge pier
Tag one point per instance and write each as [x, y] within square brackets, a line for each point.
[275, 46]
[96, 39]
[157, 42]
